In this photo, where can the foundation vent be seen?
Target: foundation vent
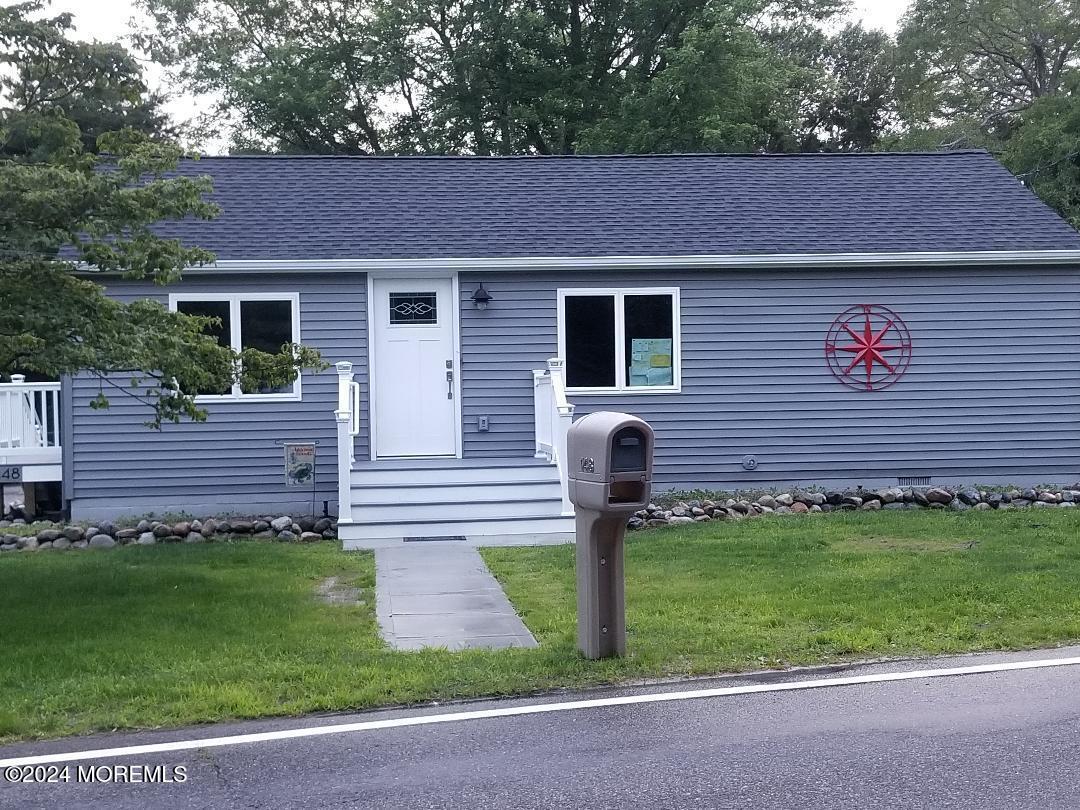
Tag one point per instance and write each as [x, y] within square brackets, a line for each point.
[913, 481]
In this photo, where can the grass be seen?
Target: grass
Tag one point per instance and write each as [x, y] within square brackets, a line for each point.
[174, 634]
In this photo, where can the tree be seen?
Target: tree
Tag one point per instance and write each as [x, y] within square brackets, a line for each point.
[97, 85]
[66, 214]
[984, 61]
[844, 88]
[484, 77]
[1044, 151]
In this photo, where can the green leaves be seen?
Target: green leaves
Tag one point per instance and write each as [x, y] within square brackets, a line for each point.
[68, 214]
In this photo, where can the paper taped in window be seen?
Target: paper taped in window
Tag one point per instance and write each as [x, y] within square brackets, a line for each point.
[650, 362]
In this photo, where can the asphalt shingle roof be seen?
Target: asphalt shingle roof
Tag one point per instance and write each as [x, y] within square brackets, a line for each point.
[471, 207]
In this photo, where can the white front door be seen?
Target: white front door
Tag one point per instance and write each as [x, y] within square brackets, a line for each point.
[414, 376]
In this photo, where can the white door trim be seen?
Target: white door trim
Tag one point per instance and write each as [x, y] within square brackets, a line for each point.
[455, 326]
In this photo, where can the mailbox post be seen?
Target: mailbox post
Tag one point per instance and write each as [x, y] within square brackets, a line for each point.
[609, 477]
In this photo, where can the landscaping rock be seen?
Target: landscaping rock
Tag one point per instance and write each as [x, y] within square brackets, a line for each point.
[322, 524]
[61, 543]
[90, 532]
[107, 527]
[768, 501]
[207, 528]
[851, 501]
[73, 533]
[307, 523]
[182, 529]
[1049, 497]
[127, 535]
[161, 531]
[650, 522]
[785, 499]
[46, 546]
[938, 495]
[310, 537]
[799, 508]
[260, 526]
[329, 534]
[676, 519]
[147, 539]
[47, 535]
[80, 544]
[194, 537]
[144, 526]
[243, 527]
[871, 505]
[919, 497]
[222, 527]
[970, 497]
[281, 524]
[102, 541]
[8, 547]
[958, 505]
[982, 507]
[28, 543]
[263, 534]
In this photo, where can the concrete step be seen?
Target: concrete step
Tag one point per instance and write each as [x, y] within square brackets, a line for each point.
[356, 535]
[486, 491]
[377, 475]
[467, 509]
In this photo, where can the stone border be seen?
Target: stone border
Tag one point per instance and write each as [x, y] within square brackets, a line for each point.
[957, 499]
[107, 534]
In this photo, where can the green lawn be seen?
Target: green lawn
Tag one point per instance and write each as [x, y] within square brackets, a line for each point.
[172, 634]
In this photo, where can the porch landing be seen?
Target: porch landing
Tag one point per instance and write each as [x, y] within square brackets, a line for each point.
[440, 594]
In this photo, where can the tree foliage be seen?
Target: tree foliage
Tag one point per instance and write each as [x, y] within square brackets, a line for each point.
[67, 214]
[487, 76]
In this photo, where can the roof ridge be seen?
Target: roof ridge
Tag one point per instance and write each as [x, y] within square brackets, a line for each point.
[606, 156]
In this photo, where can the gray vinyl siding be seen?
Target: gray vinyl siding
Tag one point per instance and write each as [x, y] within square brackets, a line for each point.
[992, 393]
[233, 461]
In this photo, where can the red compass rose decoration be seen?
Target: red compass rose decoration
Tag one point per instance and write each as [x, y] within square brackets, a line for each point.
[868, 347]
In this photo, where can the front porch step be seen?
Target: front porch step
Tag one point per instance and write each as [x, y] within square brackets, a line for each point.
[354, 535]
[402, 500]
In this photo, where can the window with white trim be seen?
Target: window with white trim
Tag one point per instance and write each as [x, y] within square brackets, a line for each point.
[261, 321]
[620, 339]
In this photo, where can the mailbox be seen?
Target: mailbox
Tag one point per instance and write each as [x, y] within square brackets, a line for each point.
[609, 458]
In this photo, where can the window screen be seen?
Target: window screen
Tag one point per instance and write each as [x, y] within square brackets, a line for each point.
[590, 341]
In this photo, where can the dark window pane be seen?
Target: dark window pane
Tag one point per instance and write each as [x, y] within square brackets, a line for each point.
[221, 331]
[590, 341]
[649, 340]
[210, 309]
[416, 308]
[265, 326]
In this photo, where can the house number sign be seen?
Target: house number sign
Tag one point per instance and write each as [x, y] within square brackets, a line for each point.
[868, 347]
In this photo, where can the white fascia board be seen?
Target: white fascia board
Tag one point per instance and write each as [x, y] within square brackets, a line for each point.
[777, 261]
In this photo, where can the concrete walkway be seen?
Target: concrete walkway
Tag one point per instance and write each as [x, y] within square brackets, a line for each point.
[440, 594]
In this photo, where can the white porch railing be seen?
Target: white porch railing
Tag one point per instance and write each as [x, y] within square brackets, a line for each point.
[29, 422]
[347, 416]
[554, 415]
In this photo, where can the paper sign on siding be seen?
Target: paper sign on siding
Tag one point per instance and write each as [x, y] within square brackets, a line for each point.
[300, 465]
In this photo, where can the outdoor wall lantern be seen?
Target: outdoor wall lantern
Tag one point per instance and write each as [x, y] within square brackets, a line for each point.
[481, 297]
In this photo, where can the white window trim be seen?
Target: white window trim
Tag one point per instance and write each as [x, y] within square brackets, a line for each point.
[619, 293]
[234, 300]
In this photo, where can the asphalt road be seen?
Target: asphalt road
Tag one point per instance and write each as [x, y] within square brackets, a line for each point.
[1001, 740]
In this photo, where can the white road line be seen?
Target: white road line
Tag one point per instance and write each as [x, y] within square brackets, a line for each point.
[536, 708]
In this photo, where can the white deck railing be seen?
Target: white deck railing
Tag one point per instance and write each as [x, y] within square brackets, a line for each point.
[554, 415]
[29, 422]
[347, 416]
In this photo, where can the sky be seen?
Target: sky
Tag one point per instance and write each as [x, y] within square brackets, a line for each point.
[111, 20]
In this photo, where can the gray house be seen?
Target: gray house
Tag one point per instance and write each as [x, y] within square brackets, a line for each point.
[781, 320]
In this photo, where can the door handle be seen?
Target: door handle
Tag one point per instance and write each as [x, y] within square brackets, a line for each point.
[449, 385]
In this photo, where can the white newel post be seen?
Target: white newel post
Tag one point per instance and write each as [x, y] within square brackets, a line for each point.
[564, 418]
[347, 416]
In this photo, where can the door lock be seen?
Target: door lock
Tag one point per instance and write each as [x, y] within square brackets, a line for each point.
[449, 385]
